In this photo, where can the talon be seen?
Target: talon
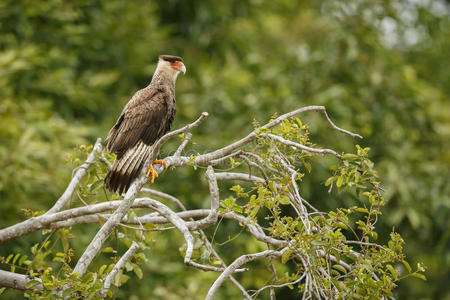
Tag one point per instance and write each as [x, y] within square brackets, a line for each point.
[160, 162]
[152, 171]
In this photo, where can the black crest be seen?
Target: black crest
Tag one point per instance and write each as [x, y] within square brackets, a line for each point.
[170, 58]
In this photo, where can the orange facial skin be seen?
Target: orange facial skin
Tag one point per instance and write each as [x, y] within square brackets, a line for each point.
[176, 65]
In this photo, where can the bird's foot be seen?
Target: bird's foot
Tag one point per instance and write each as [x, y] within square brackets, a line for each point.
[152, 171]
[160, 162]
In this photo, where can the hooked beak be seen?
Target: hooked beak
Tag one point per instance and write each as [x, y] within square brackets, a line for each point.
[182, 69]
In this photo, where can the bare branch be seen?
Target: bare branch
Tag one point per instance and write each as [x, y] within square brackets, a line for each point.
[17, 281]
[205, 158]
[310, 108]
[274, 286]
[186, 140]
[225, 158]
[217, 256]
[300, 146]
[164, 196]
[366, 244]
[79, 174]
[45, 220]
[106, 162]
[260, 161]
[236, 264]
[101, 236]
[324, 112]
[181, 226]
[119, 265]
[214, 192]
[238, 176]
[192, 220]
[95, 245]
[156, 146]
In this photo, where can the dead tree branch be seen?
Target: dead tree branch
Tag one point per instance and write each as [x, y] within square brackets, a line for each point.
[115, 213]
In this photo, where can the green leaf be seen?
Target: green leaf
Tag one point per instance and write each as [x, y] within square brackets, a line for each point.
[95, 185]
[340, 268]
[272, 186]
[286, 255]
[102, 269]
[108, 250]
[392, 271]
[124, 278]
[339, 181]
[129, 266]
[67, 293]
[138, 271]
[406, 265]
[89, 277]
[363, 210]
[46, 244]
[285, 200]
[16, 257]
[117, 278]
[9, 258]
[420, 276]
[318, 243]
[22, 260]
[234, 163]
[30, 284]
[349, 156]
[58, 259]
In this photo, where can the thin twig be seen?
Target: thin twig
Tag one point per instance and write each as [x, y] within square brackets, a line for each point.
[275, 286]
[241, 260]
[79, 174]
[183, 144]
[119, 265]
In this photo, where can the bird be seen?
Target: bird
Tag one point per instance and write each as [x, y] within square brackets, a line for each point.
[144, 119]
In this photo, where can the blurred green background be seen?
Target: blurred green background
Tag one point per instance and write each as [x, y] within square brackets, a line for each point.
[381, 68]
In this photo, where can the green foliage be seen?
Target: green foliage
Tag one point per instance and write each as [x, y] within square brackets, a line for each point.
[355, 278]
[342, 241]
[68, 68]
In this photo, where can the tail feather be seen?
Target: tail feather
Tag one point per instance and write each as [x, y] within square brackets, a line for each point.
[126, 168]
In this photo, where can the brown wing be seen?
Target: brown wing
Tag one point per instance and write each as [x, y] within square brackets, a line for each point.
[142, 119]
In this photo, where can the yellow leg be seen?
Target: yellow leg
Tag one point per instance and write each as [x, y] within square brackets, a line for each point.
[152, 171]
[160, 162]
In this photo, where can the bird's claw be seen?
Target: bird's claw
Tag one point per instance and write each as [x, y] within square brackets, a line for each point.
[152, 171]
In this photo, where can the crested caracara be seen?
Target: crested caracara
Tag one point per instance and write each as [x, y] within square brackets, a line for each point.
[145, 118]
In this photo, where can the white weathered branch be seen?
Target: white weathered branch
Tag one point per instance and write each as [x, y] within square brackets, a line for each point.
[238, 176]
[119, 265]
[156, 146]
[185, 221]
[165, 196]
[183, 144]
[45, 220]
[17, 281]
[236, 264]
[79, 174]
[101, 236]
[181, 225]
[300, 146]
[205, 158]
[273, 286]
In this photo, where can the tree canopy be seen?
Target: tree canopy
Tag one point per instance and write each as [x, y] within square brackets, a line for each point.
[380, 68]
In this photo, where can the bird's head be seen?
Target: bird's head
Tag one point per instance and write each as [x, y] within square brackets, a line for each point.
[171, 64]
